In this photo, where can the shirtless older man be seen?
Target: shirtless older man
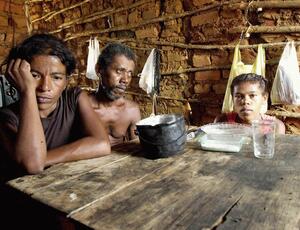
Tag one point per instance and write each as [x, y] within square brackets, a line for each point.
[115, 66]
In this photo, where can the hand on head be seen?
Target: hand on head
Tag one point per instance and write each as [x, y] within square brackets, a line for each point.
[19, 75]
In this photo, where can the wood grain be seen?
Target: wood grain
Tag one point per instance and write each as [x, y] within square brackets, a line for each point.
[193, 190]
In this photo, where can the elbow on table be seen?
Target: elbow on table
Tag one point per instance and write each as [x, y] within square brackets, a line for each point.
[34, 166]
[106, 148]
[103, 148]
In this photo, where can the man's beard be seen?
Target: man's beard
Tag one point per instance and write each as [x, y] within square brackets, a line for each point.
[109, 93]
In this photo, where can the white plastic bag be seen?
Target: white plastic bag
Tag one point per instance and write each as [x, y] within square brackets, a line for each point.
[237, 68]
[93, 55]
[286, 84]
[147, 76]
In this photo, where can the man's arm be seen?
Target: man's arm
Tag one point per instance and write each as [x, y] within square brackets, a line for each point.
[28, 146]
[95, 142]
[136, 116]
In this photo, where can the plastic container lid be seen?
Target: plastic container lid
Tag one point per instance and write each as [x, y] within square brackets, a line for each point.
[226, 131]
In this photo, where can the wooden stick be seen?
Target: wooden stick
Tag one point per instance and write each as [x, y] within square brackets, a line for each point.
[36, 1]
[196, 69]
[283, 113]
[85, 19]
[189, 46]
[204, 68]
[136, 25]
[28, 22]
[266, 4]
[161, 97]
[266, 29]
[204, 47]
[100, 14]
[67, 8]
[51, 14]
[189, 70]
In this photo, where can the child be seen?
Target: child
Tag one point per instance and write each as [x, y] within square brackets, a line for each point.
[249, 93]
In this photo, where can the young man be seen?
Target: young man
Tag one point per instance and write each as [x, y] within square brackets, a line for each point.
[50, 124]
[249, 93]
[116, 66]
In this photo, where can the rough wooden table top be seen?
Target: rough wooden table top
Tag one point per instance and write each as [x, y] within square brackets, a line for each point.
[195, 190]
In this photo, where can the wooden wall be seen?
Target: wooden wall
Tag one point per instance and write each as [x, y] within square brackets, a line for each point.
[13, 27]
[196, 39]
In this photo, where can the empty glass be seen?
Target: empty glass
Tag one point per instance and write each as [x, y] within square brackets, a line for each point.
[263, 138]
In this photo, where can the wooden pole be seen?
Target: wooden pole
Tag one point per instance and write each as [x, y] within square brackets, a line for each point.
[51, 14]
[65, 9]
[100, 14]
[283, 114]
[136, 25]
[266, 29]
[265, 4]
[28, 21]
[36, 1]
[190, 70]
[190, 46]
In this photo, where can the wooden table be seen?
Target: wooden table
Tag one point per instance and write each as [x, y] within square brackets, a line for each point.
[194, 190]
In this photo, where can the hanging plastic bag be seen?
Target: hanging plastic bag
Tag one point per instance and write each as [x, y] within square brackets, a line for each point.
[93, 55]
[286, 84]
[150, 78]
[146, 81]
[237, 68]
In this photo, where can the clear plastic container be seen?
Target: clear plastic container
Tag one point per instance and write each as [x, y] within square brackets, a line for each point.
[226, 137]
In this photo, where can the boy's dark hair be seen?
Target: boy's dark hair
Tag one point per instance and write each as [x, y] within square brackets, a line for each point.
[253, 78]
[43, 44]
[110, 51]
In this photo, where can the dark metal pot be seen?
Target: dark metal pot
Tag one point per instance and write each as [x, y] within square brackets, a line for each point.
[162, 135]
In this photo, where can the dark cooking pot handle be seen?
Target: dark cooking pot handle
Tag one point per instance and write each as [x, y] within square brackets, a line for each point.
[151, 143]
[187, 127]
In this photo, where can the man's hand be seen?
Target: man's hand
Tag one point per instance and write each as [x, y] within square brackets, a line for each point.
[20, 76]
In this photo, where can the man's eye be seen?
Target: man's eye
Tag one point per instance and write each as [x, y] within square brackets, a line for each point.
[119, 71]
[57, 77]
[36, 76]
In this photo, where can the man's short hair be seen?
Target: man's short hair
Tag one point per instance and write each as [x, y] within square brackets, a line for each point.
[253, 78]
[110, 51]
[43, 44]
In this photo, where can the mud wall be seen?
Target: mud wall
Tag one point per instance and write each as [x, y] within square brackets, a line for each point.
[196, 39]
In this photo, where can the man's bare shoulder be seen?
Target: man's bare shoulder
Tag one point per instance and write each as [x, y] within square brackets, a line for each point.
[132, 110]
[131, 104]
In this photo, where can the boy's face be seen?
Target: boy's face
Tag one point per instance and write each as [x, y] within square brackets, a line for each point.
[50, 75]
[248, 99]
[117, 76]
